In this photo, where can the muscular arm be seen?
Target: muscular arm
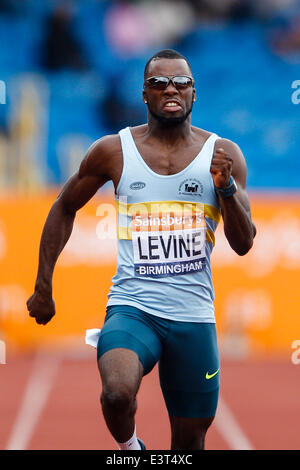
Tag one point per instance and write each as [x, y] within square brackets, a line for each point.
[59, 223]
[94, 171]
[238, 226]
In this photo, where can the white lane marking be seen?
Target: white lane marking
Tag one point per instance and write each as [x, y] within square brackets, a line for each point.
[229, 428]
[34, 400]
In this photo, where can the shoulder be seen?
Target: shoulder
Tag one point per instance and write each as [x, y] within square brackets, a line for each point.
[233, 151]
[230, 147]
[107, 145]
[202, 134]
[102, 155]
[139, 131]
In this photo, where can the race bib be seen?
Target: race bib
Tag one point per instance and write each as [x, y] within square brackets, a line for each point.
[168, 243]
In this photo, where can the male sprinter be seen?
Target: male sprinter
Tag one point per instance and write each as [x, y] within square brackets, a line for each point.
[173, 182]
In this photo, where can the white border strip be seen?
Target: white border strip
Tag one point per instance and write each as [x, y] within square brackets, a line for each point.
[34, 400]
[229, 428]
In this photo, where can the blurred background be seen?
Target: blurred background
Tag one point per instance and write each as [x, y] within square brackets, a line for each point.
[71, 72]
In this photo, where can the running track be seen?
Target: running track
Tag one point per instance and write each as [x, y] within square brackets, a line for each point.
[51, 401]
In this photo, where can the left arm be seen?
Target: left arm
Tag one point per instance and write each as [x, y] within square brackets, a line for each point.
[239, 229]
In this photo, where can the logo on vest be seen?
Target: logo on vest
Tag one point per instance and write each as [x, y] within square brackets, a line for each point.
[191, 186]
[137, 185]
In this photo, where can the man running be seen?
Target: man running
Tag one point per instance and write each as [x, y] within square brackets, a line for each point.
[173, 182]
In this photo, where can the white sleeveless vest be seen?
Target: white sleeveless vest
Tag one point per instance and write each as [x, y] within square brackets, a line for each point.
[166, 226]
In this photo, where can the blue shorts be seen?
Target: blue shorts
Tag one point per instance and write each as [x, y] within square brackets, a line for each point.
[187, 355]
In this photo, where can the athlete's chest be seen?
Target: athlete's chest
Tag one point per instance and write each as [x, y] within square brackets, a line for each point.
[166, 161]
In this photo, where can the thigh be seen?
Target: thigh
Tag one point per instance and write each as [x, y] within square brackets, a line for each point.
[189, 370]
[127, 329]
[120, 369]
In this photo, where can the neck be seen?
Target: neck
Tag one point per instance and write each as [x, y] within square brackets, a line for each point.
[169, 133]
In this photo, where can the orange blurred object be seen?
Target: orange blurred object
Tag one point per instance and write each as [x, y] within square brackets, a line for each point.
[257, 296]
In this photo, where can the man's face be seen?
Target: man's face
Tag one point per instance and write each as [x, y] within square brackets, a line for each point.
[170, 106]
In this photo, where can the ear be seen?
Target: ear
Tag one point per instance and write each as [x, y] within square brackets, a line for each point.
[194, 95]
[145, 97]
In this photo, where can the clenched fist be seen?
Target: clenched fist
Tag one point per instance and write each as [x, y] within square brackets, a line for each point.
[41, 307]
[221, 166]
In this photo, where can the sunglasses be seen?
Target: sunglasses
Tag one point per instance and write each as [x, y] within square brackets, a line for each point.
[180, 82]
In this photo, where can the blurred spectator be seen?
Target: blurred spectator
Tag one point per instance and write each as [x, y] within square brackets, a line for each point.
[268, 9]
[289, 41]
[115, 112]
[61, 49]
[239, 9]
[242, 10]
[132, 28]
[170, 21]
[12, 6]
[127, 28]
[285, 32]
[208, 9]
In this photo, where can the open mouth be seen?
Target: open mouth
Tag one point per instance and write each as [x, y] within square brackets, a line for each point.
[172, 106]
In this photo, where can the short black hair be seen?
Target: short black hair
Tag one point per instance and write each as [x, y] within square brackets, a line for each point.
[165, 54]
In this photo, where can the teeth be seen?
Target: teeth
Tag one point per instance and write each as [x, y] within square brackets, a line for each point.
[172, 104]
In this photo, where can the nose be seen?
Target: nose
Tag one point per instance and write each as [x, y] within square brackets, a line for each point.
[171, 88]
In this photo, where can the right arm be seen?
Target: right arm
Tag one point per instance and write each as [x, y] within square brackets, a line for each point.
[94, 172]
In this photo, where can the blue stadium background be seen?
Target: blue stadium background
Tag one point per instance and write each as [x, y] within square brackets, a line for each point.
[244, 87]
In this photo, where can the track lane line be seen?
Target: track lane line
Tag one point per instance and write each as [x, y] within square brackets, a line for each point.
[35, 397]
[230, 429]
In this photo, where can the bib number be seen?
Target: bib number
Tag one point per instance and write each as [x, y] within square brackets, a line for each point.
[168, 250]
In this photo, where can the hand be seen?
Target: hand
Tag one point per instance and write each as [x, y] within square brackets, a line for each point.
[221, 166]
[41, 307]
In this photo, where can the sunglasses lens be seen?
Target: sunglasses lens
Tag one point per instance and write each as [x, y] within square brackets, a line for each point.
[160, 83]
[182, 82]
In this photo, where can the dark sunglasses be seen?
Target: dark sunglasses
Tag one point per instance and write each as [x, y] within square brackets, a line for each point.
[180, 82]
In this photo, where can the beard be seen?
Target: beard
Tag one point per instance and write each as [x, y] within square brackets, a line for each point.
[170, 121]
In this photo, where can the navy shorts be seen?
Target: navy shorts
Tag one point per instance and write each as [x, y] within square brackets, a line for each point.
[187, 355]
